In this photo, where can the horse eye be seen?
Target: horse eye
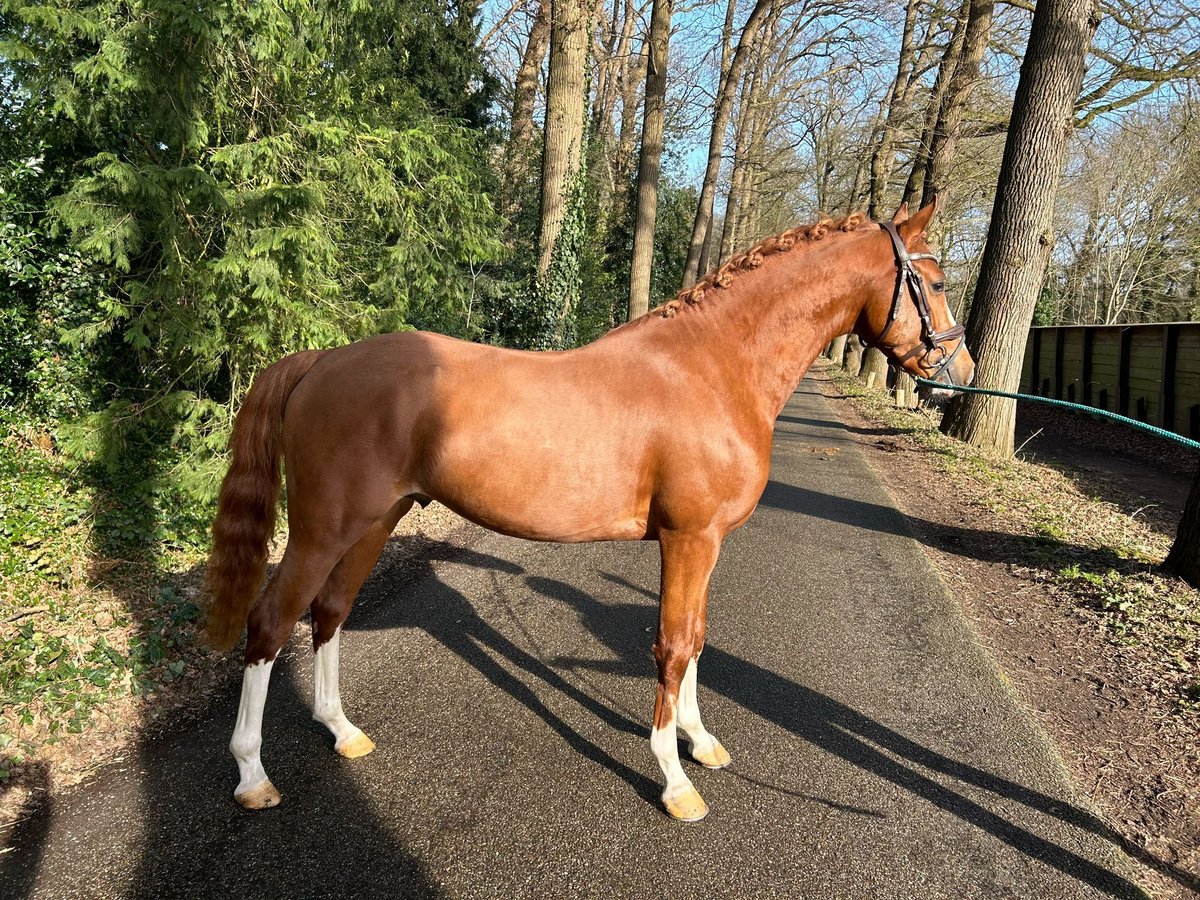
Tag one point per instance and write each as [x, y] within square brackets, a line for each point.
[939, 286]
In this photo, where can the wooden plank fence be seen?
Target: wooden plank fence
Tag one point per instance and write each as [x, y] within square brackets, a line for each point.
[1147, 372]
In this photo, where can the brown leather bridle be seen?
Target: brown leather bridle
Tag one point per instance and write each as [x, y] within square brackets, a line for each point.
[931, 339]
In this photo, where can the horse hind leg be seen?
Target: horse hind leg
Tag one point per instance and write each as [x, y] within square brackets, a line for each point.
[704, 748]
[329, 611]
[300, 575]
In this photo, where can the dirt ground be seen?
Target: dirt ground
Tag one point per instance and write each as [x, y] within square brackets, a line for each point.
[1144, 475]
[1134, 753]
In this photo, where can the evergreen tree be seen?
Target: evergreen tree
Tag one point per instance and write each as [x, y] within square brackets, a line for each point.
[251, 179]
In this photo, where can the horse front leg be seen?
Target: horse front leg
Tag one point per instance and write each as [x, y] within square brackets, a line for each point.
[687, 563]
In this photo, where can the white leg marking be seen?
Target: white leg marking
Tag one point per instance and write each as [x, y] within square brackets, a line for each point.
[705, 748]
[327, 706]
[254, 788]
[665, 746]
[680, 797]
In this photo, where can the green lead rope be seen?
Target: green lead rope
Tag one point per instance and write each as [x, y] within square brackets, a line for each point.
[1090, 410]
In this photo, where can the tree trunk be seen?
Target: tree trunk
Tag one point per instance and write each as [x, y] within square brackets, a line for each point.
[854, 355]
[648, 162]
[702, 226]
[954, 106]
[635, 76]
[859, 188]
[565, 108]
[525, 89]
[837, 350]
[874, 369]
[602, 130]
[906, 390]
[1184, 558]
[520, 136]
[744, 136]
[706, 246]
[608, 65]
[631, 77]
[1020, 238]
[750, 204]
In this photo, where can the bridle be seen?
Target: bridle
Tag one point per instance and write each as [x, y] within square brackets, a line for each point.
[931, 340]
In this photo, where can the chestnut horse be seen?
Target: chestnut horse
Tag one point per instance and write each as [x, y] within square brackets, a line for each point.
[660, 430]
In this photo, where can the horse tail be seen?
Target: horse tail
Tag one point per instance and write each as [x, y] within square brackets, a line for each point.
[249, 494]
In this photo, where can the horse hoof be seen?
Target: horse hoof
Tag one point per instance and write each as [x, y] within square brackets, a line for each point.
[353, 748]
[689, 807]
[262, 797]
[715, 757]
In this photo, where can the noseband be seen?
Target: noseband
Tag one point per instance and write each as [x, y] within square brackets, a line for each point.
[931, 340]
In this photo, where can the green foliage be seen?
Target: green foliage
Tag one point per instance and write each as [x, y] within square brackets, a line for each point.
[1047, 310]
[72, 645]
[672, 238]
[423, 50]
[44, 284]
[56, 665]
[542, 312]
[243, 181]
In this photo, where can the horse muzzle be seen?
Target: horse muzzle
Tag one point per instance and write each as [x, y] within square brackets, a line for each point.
[956, 369]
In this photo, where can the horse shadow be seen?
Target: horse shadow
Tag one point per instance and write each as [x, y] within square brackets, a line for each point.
[974, 543]
[449, 617]
[181, 834]
[856, 738]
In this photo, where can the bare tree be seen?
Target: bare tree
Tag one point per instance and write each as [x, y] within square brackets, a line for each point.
[945, 72]
[648, 162]
[1144, 47]
[944, 143]
[958, 74]
[520, 143]
[702, 225]
[625, 74]
[1019, 238]
[883, 156]
[1131, 242]
[745, 128]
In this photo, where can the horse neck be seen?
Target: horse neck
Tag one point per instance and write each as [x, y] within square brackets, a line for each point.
[786, 311]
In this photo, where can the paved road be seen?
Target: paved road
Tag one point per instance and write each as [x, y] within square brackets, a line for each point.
[877, 751]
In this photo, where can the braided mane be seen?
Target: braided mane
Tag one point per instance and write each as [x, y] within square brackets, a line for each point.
[753, 258]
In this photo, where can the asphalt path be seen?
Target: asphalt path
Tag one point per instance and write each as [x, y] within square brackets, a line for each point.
[877, 749]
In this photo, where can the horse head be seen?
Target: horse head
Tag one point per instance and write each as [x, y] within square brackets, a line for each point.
[910, 320]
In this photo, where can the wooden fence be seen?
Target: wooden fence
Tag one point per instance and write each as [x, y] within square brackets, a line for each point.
[1147, 372]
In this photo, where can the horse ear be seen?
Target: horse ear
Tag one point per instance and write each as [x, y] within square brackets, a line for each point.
[919, 223]
[901, 214]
